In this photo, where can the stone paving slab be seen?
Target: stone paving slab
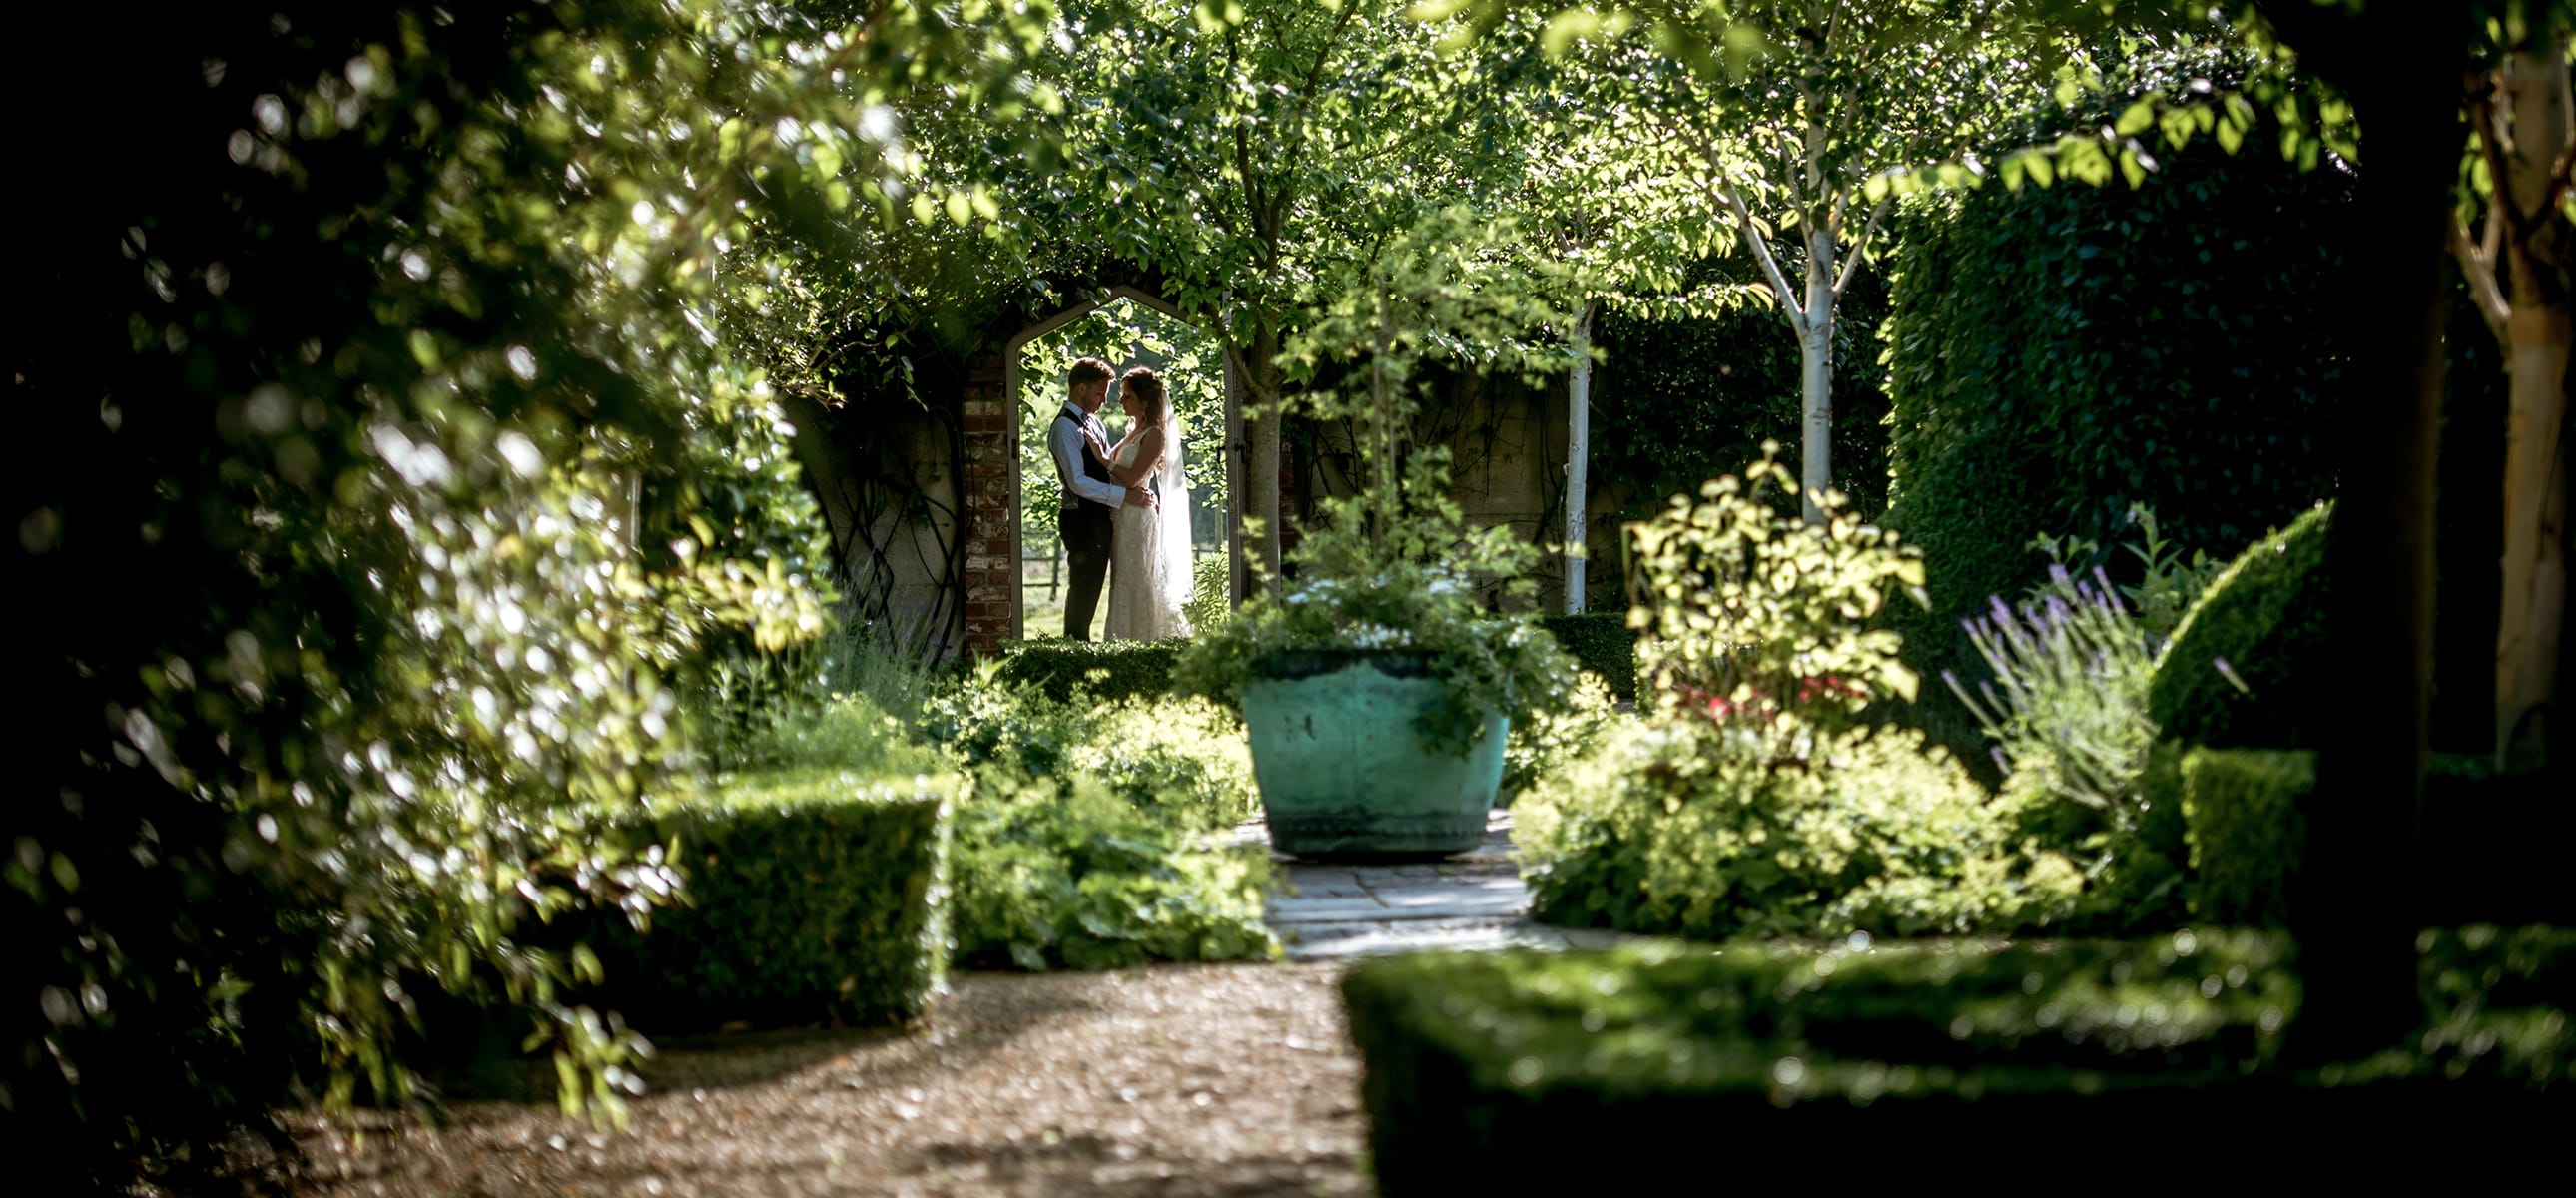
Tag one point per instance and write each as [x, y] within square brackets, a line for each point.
[1473, 901]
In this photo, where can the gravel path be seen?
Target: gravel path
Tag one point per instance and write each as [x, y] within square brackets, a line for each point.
[1173, 1080]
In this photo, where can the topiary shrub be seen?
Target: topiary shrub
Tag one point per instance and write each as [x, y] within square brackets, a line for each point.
[2240, 671]
[1600, 642]
[2240, 810]
[809, 896]
[1643, 1054]
[1106, 670]
[1692, 830]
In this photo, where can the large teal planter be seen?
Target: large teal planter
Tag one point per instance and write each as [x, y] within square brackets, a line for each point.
[1343, 773]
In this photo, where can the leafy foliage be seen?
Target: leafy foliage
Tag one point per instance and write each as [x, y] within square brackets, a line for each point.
[2067, 712]
[2243, 669]
[1601, 643]
[2241, 809]
[1376, 581]
[1684, 829]
[2167, 584]
[1058, 871]
[1108, 671]
[1100, 836]
[2058, 354]
[1547, 746]
[2068, 706]
[1181, 761]
[380, 354]
[1750, 615]
[1640, 1050]
[1682, 398]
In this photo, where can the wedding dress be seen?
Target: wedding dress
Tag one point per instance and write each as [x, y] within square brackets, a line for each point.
[1149, 552]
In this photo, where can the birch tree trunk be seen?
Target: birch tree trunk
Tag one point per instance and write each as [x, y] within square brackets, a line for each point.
[2536, 334]
[1816, 372]
[1578, 466]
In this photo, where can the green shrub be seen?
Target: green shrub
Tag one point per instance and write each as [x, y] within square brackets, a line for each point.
[1690, 830]
[2067, 708]
[1183, 761]
[1100, 836]
[1059, 871]
[1642, 1054]
[2067, 711]
[1756, 618]
[1107, 670]
[2241, 670]
[810, 895]
[2241, 809]
[846, 732]
[1600, 642]
[1542, 748]
[1211, 593]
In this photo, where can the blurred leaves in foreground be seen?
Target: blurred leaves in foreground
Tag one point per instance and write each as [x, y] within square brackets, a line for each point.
[381, 486]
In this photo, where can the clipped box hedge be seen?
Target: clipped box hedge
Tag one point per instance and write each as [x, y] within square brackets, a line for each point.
[2243, 666]
[1600, 642]
[810, 896]
[1108, 670]
[2240, 810]
[1671, 1061]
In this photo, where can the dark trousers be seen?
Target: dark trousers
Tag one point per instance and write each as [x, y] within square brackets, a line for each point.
[1086, 529]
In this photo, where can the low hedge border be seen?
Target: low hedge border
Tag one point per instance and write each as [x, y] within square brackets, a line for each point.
[1600, 642]
[1109, 670]
[2240, 810]
[1657, 1056]
[810, 896]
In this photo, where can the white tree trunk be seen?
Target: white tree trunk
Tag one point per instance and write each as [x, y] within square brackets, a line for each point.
[2535, 508]
[1578, 452]
[1816, 373]
[2537, 336]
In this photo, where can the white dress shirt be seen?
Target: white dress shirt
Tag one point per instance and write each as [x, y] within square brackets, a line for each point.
[1064, 442]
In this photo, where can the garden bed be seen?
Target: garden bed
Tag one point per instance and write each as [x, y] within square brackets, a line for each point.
[1770, 1059]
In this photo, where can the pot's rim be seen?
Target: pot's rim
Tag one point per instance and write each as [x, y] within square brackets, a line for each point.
[1292, 664]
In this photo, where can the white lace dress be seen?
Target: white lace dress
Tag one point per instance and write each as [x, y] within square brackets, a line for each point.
[1149, 557]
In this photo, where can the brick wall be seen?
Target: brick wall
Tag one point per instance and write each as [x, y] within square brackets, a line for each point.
[992, 519]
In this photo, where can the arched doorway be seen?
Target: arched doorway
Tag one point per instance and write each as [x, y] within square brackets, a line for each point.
[1125, 326]
[1005, 399]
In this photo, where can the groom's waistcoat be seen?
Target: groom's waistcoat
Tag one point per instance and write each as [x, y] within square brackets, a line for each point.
[1092, 468]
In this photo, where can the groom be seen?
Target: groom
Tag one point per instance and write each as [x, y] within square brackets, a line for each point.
[1078, 442]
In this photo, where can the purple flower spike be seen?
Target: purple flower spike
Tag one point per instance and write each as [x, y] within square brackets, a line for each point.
[2057, 573]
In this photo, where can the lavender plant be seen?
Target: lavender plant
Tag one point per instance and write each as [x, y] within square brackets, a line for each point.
[2067, 708]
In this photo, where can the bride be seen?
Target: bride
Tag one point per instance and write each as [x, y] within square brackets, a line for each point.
[1149, 551]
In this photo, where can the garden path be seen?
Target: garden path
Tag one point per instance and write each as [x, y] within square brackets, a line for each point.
[1473, 901]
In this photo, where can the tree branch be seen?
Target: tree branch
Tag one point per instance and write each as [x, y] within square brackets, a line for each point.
[2479, 269]
[1762, 253]
[1852, 264]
